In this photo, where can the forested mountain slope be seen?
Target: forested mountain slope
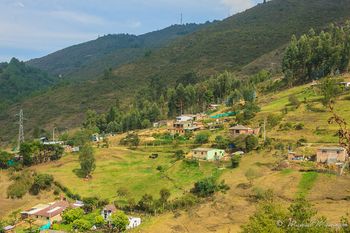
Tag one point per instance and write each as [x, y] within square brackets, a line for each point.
[89, 60]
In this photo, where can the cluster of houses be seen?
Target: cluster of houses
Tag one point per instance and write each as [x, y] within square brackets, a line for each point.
[46, 214]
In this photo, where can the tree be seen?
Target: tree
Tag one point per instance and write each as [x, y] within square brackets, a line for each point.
[329, 89]
[71, 215]
[119, 221]
[251, 142]
[164, 195]
[235, 160]
[202, 138]
[82, 225]
[90, 122]
[41, 182]
[205, 188]
[87, 160]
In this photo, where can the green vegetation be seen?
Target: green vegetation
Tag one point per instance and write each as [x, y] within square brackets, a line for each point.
[17, 80]
[306, 183]
[36, 153]
[316, 56]
[119, 221]
[208, 187]
[92, 59]
[87, 161]
[299, 217]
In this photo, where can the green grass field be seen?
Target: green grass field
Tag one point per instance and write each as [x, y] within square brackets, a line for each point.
[132, 170]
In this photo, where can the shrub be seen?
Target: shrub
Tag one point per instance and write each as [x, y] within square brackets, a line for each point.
[99, 221]
[301, 141]
[119, 221]
[82, 225]
[251, 142]
[235, 160]
[71, 215]
[41, 182]
[205, 188]
[299, 126]
[179, 154]
[293, 101]
[186, 201]
[279, 146]
[202, 138]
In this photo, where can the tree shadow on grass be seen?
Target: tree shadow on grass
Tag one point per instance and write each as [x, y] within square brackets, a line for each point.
[79, 173]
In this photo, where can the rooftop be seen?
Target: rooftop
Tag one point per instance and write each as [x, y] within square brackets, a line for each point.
[54, 209]
[204, 149]
[238, 127]
[332, 148]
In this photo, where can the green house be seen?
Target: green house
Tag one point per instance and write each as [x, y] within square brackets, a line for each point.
[209, 154]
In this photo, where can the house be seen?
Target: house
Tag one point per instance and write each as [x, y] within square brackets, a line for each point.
[332, 155]
[209, 154]
[108, 211]
[159, 124]
[133, 222]
[214, 107]
[243, 130]
[180, 127]
[52, 212]
[184, 118]
[96, 137]
[33, 210]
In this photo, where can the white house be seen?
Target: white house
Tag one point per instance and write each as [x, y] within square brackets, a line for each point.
[108, 211]
[185, 118]
[133, 222]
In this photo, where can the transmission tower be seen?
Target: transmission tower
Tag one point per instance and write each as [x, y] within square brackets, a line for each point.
[20, 129]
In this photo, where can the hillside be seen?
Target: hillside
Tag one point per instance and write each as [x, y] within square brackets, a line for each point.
[89, 60]
[18, 80]
[243, 39]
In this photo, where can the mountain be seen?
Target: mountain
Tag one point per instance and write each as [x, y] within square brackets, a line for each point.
[88, 60]
[18, 80]
[239, 41]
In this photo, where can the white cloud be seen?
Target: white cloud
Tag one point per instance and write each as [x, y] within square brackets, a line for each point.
[76, 17]
[238, 5]
[18, 4]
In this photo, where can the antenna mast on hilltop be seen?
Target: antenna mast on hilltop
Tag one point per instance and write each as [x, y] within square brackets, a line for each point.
[181, 23]
[20, 129]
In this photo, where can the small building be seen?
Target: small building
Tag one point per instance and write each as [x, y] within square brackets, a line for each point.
[33, 210]
[133, 222]
[214, 107]
[107, 211]
[243, 130]
[209, 154]
[184, 118]
[96, 137]
[332, 155]
[159, 124]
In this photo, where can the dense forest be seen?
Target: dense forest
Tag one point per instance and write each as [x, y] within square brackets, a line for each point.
[314, 56]
[17, 80]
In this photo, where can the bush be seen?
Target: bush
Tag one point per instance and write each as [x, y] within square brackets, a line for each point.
[235, 160]
[279, 146]
[299, 126]
[202, 138]
[251, 143]
[82, 225]
[71, 215]
[205, 188]
[21, 184]
[293, 101]
[184, 202]
[301, 141]
[179, 154]
[99, 221]
[41, 182]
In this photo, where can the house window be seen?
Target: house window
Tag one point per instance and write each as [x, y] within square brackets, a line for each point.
[237, 131]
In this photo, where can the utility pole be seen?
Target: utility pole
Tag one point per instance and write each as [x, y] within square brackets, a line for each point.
[20, 129]
[53, 134]
[264, 129]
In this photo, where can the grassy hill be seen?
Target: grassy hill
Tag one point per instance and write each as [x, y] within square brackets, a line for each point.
[241, 42]
[89, 60]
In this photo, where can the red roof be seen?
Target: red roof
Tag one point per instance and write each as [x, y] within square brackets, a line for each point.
[53, 210]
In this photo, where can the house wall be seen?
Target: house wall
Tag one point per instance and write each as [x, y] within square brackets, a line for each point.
[199, 154]
[327, 156]
[215, 154]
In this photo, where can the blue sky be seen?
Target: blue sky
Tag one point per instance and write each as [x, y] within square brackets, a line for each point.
[34, 28]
